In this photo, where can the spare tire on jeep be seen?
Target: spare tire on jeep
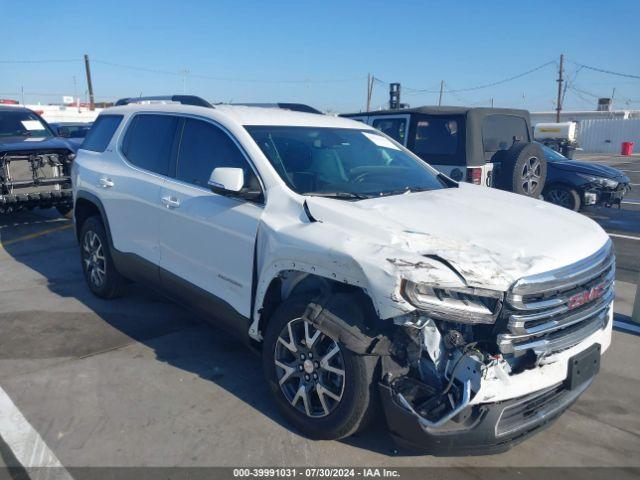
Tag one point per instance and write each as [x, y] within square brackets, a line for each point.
[523, 169]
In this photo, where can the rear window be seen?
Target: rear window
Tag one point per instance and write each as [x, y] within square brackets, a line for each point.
[500, 131]
[439, 139]
[149, 140]
[101, 132]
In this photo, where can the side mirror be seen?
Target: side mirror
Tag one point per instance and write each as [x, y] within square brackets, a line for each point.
[226, 180]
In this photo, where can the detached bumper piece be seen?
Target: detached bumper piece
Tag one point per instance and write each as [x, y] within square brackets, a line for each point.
[478, 429]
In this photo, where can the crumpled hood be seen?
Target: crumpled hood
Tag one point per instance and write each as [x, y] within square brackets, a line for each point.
[587, 168]
[21, 144]
[491, 237]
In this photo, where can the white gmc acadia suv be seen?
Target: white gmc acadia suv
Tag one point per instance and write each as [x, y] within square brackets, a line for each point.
[473, 316]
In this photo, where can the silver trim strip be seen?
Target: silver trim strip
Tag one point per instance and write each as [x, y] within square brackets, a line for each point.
[566, 277]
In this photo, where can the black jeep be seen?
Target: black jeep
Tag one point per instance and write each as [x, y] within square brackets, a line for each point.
[485, 146]
[34, 163]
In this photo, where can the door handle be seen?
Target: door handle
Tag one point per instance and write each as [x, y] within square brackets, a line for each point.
[105, 182]
[170, 202]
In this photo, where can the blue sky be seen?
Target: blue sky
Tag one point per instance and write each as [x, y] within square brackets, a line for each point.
[320, 52]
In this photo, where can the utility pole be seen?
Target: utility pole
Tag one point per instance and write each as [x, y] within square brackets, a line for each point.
[89, 84]
[22, 94]
[369, 90]
[441, 92]
[559, 104]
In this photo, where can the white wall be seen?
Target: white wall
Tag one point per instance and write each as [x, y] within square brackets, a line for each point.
[607, 135]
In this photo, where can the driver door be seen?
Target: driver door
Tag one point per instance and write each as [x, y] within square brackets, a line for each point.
[207, 239]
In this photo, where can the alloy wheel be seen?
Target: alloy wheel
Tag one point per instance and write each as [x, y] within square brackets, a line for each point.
[93, 258]
[310, 369]
[560, 197]
[531, 173]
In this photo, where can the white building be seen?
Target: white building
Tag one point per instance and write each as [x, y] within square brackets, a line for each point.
[65, 113]
[599, 131]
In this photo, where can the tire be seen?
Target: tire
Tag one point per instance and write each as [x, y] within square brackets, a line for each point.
[330, 419]
[563, 196]
[100, 273]
[523, 170]
[65, 210]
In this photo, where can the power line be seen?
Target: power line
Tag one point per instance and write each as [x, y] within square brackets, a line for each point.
[226, 79]
[486, 85]
[40, 61]
[609, 72]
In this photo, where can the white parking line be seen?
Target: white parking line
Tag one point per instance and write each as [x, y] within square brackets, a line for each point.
[626, 326]
[628, 237]
[27, 445]
[629, 202]
[630, 171]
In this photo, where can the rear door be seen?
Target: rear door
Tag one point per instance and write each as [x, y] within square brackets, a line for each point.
[207, 239]
[131, 187]
[499, 132]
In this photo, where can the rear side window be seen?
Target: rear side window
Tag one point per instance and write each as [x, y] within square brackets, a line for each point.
[393, 127]
[204, 147]
[101, 132]
[149, 140]
[439, 139]
[500, 131]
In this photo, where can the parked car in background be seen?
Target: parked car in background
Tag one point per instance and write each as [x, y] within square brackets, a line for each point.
[485, 146]
[573, 184]
[34, 163]
[361, 274]
[71, 130]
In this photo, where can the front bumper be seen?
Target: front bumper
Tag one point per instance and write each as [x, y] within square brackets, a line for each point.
[486, 428]
[505, 410]
[605, 196]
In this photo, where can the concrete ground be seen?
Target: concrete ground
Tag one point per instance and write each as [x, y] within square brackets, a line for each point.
[140, 381]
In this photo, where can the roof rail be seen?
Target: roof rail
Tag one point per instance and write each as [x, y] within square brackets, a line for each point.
[183, 99]
[295, 107]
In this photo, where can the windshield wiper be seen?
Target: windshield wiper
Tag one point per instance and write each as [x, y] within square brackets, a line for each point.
[339, 195]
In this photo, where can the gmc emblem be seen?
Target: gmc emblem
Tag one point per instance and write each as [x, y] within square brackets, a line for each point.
[586, 296]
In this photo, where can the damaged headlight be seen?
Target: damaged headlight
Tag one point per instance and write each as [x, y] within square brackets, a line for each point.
[602, 181]
[464, 305]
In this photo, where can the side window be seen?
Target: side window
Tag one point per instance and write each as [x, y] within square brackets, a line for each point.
[394, 127]
[149, 140]
[499, 132]
[439, 139]
[204, 147]
[101, 132]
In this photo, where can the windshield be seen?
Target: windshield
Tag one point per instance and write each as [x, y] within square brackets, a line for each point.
[552, 156]
[22, 124]
[342, 162]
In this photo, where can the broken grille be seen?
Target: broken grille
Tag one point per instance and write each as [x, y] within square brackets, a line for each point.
[556, 310]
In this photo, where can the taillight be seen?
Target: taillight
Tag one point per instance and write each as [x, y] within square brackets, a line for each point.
[474, 175]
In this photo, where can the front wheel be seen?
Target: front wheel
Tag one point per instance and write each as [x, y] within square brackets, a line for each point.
[323, 389]
[563, 196]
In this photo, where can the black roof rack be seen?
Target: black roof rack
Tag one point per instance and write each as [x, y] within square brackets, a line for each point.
[295, 107]
[183, 99]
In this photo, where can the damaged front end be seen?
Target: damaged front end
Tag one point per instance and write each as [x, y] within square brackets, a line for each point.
[35, 178]
[474, 372]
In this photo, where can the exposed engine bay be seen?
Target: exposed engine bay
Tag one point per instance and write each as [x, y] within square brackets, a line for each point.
[32, 179]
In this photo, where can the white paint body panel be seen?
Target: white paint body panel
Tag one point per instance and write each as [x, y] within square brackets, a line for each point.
[209, 241]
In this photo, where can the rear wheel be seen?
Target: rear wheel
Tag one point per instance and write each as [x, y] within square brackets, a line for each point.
[97, 265]
[323, 389]
[563, 196]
